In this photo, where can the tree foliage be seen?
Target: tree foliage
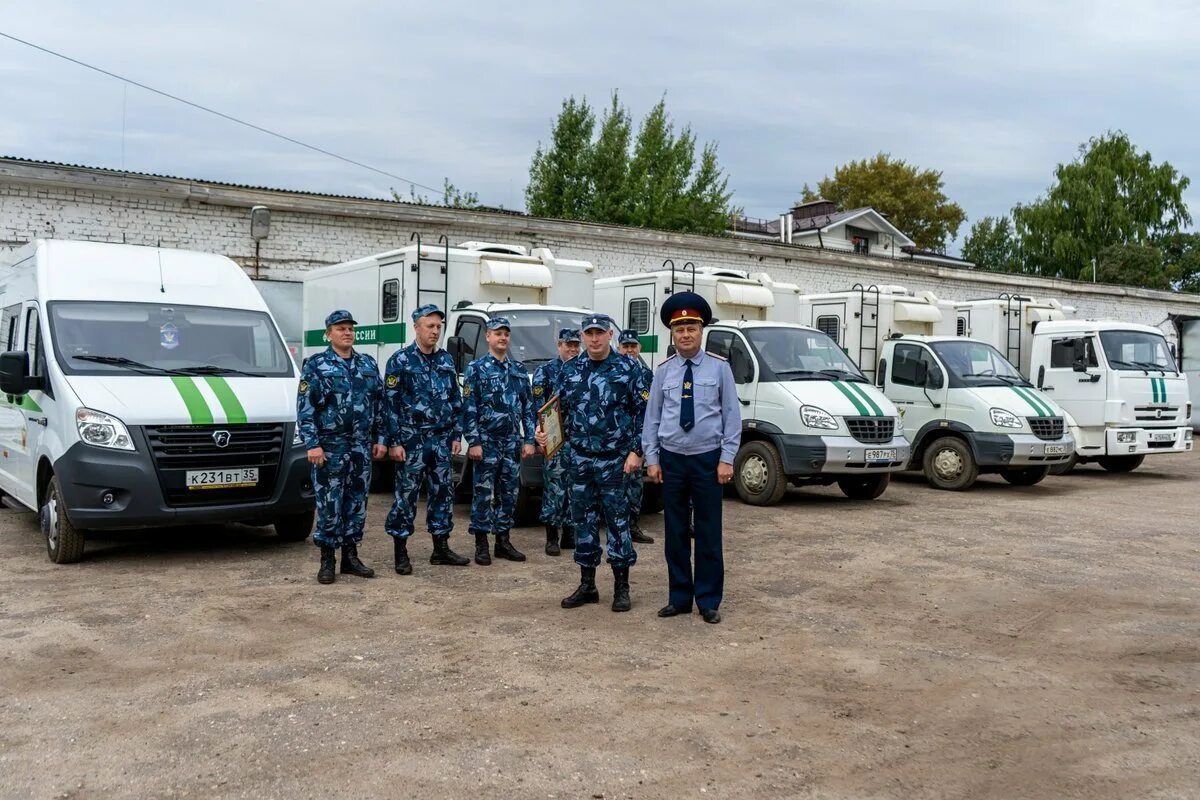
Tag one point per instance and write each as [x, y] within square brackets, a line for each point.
[992, 246]
[452, 196]
[912, 198]
[1111, 195]
[1140, 265]
[651, 180]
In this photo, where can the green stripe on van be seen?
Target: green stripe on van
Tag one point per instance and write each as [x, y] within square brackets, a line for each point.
[392, 333]
[853, 398]
[234, 413]
[1038, 407]
[649, 342]
[197, 408]
[866, 396]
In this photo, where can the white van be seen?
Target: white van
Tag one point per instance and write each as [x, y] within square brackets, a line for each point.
[144, 387]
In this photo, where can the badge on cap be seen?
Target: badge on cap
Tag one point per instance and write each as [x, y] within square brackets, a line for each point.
[593, 321]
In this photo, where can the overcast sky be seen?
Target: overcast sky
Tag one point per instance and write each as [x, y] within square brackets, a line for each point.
[992, 96]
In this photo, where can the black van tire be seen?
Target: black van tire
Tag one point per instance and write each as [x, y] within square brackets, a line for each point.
[295, 527]
[64, 542]
[1064, 467]
[758, 474]
[1121, 463]
[866, 487]
[1025, 476]
[944, 453]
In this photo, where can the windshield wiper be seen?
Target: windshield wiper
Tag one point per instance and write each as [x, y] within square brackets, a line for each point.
[849, 376]
[1146, 365]
[128, 363]
[213, 369]
[1015, 380]
[806, 374]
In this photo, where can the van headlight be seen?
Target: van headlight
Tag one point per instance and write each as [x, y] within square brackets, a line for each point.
[1005, 419]
[1126, 437]
[817, 418]
[102, 430]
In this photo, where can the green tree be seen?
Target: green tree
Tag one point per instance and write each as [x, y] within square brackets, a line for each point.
[452, 196]
[609, 167]
[560, 180]
[1112, 194]
[1139, 265]
[912, 198]
[992, 246]
[1181, 254]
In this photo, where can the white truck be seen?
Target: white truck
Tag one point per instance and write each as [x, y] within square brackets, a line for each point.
[967, 410]
[632, 300]
[809, 416]
[144, 387]
[1121, 387]
[471, 281]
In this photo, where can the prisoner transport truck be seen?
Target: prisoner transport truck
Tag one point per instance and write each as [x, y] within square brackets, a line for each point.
[1119, 383]
[966, 409]
[809, 416]
[144, 387]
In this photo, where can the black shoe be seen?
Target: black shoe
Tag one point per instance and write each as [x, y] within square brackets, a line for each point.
[505, 549]
[326, 573]
[568, 538]
[621, 589]
[482, 556]
[403, 564]
[552, 548]
[635, 533]
[672, 611]
[352, 566]
[711, 615]
[586, 593]
[442, 555]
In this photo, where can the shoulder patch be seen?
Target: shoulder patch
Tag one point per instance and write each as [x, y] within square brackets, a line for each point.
[670, 358]
[303, 387]
[537, 391]
[717, 357]
[645, 394]
[466, 389]
[392, 380]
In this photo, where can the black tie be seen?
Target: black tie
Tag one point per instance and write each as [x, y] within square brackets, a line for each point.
[687, 410]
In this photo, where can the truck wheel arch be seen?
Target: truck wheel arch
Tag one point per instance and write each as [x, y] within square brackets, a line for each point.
[935, 430]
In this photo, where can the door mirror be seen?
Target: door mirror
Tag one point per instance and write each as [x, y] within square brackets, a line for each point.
[456, 346]
[741, 366]
[920, 373]
[1079, 355]
[14, 373]
[933, 378]
[1041, 375]
[1080, 365]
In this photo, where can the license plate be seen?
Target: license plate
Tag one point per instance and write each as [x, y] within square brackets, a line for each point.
[881, 455]
[1168, 436]
[1056, 449]
[222, 478]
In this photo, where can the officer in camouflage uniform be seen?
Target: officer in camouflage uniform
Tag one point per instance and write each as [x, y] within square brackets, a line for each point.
[555, 482]
[339, 417]
[630, 344]
[603, 397]
[423, 411]
[498, 423]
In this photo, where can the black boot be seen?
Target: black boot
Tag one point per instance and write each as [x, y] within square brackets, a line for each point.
[552, 548]
[351, 564]
[505, 549]
[635, 533]
[443, 555]
[328, 564]
[403, 565]
[586, 593]
[482, 556]
[621, 589]
[568, 538]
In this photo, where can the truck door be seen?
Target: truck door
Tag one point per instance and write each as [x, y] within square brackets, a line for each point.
[731, 347]
[639, 315]
[25, 419]
[12, 417]
[902, 386]
[392, 331]
[1081, 394]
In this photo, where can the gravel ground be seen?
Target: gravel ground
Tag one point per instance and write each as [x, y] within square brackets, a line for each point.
[1004, 642]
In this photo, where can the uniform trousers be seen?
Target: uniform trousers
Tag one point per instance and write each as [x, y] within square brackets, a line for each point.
[692, 505]
[341, 485]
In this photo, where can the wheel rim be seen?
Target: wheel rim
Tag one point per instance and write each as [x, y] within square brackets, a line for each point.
[754, 474]
[948, 464]
[52, 521]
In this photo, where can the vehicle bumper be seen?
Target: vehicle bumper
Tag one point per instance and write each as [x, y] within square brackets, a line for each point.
[85, 474]
[1147, 441]
[814, 455]
[1018, 449]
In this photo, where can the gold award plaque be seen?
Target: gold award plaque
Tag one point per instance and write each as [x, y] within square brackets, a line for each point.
[550, 418]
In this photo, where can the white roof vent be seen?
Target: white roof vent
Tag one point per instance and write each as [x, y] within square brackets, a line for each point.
[493, 247]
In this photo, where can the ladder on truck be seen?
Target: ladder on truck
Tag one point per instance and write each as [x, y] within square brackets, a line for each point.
[436, 284]
[678, 277]
[1012, 317]
[868, 321]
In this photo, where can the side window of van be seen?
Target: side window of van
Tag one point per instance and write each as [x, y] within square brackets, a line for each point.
[8, 325]
[904, 366]
[470, 330]
[33, 342]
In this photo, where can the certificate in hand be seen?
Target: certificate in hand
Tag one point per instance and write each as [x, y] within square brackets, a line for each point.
[550, 418]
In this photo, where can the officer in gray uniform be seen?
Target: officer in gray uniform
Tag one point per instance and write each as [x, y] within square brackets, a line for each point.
[339, 417]
[630, 344]
[498, 423]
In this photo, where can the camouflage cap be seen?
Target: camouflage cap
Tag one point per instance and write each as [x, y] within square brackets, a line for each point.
[426, 310]
[496, 323]
[592, 321]
[341, 315]
[629, 336]
[569, 335]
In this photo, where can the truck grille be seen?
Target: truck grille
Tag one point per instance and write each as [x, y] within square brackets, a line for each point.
[871, 429]
[179, 448]
[1048, 428]
[1155, 413]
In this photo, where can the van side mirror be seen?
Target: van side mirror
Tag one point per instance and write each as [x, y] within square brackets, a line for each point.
[456, 346]
[920, 373]
[934, 378]
[1079, 355]
[1080, 365]
[741, 366]
[881, 373]
[14, 373]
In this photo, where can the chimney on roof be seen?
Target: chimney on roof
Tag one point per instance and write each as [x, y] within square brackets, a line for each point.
[814, 208]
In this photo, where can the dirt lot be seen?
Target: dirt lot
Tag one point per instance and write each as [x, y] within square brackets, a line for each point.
[1005, 642]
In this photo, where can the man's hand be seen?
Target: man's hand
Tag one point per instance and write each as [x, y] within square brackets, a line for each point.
[475, 452]
[724, 472]
[527, 451]
[633, 462]
[316, 456]
[654, 473]
[456, 447]
[378, 451]
[540, 436]
[397, 453]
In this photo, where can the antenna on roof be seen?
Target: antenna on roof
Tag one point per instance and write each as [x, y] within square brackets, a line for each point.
[161, 287]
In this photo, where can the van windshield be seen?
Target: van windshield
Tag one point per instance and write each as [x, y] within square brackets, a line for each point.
[100, 338]
[802, 354]
[977, 364]
[534, 334]
[1137, 350]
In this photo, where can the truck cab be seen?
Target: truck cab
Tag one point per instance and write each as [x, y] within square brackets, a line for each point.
[969, 411]
[809, 415]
